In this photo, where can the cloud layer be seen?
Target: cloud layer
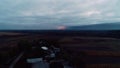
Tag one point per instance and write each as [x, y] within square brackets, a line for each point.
[53, 13]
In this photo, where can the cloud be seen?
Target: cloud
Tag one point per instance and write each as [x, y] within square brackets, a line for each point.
[91, 13]
[111, 14]
[60, 12]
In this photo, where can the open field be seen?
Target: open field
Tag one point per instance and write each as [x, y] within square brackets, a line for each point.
[99, 51]
[9, 33]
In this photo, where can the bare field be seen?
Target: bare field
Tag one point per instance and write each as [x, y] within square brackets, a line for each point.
[9, 33]
[94, 47]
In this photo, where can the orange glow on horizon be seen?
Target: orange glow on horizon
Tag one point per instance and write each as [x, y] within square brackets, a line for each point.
[61, 28]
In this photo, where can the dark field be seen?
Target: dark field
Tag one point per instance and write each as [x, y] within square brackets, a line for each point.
[101, 48]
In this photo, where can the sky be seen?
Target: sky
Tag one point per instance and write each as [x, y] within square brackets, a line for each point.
[52, 14]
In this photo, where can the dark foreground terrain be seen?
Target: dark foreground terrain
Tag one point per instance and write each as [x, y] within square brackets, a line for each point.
[99, 49]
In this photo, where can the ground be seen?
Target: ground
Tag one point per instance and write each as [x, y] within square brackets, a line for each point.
[100, 51]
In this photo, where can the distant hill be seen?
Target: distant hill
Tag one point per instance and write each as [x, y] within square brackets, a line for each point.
[106, 26]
